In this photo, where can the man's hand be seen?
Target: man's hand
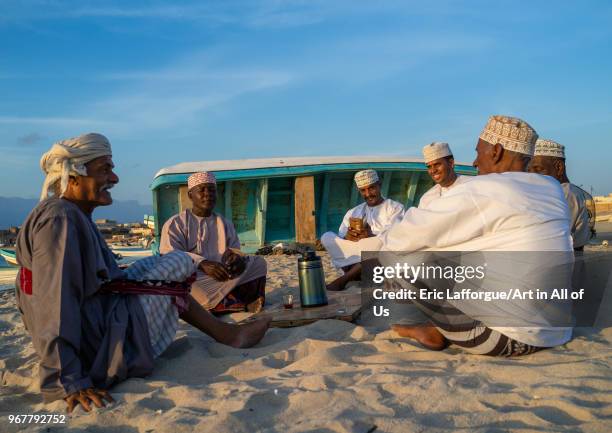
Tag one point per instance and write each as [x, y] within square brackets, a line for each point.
[234, 263]
[85, 397]
[352, 235]
[215, 270]
[355, 236]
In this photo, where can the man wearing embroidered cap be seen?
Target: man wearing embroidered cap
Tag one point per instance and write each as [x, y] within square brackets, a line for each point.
[502, 209]
[360, 227]
[93, 324]
[441, 167]
[549, 160]
[227, 280]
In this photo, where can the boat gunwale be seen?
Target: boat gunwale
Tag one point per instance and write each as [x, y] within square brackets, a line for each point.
[162, 179]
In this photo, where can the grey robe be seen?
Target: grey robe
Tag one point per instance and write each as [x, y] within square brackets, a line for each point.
[579, 216]
[203, 239]
[84, 338]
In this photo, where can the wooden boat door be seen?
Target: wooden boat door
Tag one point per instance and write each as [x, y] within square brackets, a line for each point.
[305, 223]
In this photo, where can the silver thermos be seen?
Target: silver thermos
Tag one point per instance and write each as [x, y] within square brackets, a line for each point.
[312, 280]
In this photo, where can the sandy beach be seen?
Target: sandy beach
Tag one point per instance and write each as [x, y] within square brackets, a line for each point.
[457, 151]
[330, 376]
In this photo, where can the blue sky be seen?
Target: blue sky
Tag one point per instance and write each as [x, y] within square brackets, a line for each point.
[178, 81]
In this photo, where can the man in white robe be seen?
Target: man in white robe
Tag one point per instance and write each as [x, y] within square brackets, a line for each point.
[549, 160]
[360, 228]
[502, 209]
[227, 280]
[440, 164]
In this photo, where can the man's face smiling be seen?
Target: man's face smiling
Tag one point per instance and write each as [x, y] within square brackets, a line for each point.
[204, 197]
[371, 194]
[441, 171]
[93, 189]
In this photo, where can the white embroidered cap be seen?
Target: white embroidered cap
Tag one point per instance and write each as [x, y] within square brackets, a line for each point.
[436, 150]
[512, 133]
[366, 178]
[545, 147]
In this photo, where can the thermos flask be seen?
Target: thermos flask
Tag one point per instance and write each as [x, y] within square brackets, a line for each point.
[312, 280]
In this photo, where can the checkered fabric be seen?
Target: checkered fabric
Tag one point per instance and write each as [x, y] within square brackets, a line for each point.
[198, 178]
[161, 313]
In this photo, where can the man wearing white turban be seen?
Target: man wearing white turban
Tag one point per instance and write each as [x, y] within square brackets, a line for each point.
[93, 324]
[360, 228]
[68, 157]
[549, 160]
[440, 164]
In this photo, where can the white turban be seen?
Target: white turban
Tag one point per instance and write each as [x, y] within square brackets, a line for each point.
[68, 157]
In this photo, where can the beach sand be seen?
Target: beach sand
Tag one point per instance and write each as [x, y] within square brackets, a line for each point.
[330, 376]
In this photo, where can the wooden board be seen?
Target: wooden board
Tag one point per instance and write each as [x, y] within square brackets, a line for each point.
[305, 224]
[341, 306]
[184, 200]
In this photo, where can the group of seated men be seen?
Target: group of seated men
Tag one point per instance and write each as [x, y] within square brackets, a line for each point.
[377, 214]
[90, 333]
[509, 206]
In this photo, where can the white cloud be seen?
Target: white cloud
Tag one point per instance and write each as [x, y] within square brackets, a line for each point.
[177, 95]
[370, 57]
[246, 13]
[58, 121]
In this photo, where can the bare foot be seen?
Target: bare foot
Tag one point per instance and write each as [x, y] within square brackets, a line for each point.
[426, 334]
[352, 274]
[337, 285]
[249, 334]
[256, 306]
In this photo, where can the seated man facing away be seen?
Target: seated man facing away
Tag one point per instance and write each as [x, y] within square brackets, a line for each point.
[360, 227]
[501, 209]
[87, 333]
[549, 159]
[227, 280]
[441, 167]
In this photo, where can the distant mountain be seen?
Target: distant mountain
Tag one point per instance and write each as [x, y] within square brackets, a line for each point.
[14, 210]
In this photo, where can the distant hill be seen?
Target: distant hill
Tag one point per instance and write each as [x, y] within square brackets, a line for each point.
[13, 211]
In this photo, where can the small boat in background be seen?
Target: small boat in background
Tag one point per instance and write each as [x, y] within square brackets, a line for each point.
[285, 200]
[9, 256]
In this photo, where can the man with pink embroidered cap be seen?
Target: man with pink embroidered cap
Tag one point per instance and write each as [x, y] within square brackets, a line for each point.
[227, 279]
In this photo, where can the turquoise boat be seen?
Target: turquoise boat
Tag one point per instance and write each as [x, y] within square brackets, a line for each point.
[9, 256]
[289, 199]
